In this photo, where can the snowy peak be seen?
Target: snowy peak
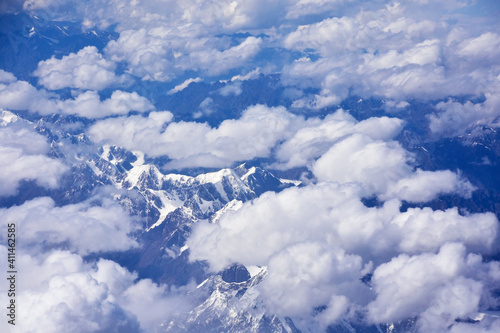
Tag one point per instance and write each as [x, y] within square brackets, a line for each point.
[235, 306]
[144, 177]
[260, 180]
[7, 117]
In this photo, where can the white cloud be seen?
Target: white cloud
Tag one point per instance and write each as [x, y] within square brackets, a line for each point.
[396, 281]
[17, 166]
[146, 55]
[320, 239]
[216, 62]
[446, 288]
[81, 228]
[18, 95]
[454, 118]
[131, 131]
[89, 105]
[313, 140]
[382, 168]
[136, 296]
[231, 89]
[195, 144]
[300, 8]
[249, 76]
[330, 36]
[60, 292]
[161, 53]
[206, 108]
[425, 230]
[60, 295]
[6, 77]
[396, 52]
[424, 53]
[22, 96]
[360, 159]
[423, 186]
[183, 85]
[317, 240]
[86, 69]
[333, 214]
[317, 274]
[484, 47]
[40, 4]
[22, 157]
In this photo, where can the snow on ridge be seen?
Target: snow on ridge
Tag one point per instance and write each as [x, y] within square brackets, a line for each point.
[7, 117]
[290, 181]
[168, 205]
[232, 205]
[250, 171]
[214, 177]
[255, 270]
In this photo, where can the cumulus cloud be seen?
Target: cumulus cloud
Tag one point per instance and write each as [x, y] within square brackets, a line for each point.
[483, 47]
[61, 295]
[23, 156]
[90, 105]
[161, 53]
[313, 140]
[144, 53]
[449, 289]
[216, 62]
[360, 159]
[81, 228]
[60, 291]
[205, 108]
[453, 118]
[396, 281]
[86, 69]
[6, 77]
[197, 144]
[136, 295]
[423, 186]
[327, 37]
[300, 8]
[399, 51]
[334, 214]
[421, 54]
[18, 95]
[337, 148]
[322, 280]
[383, 168]
[395, 52]
[323, 238]
[22, 96]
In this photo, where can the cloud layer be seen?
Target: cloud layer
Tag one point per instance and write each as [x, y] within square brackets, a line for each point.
[86, 69]
[23, 156]
[320, 241]
[192, 144]
[340, 257]
[22, 96]
[60, 290]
